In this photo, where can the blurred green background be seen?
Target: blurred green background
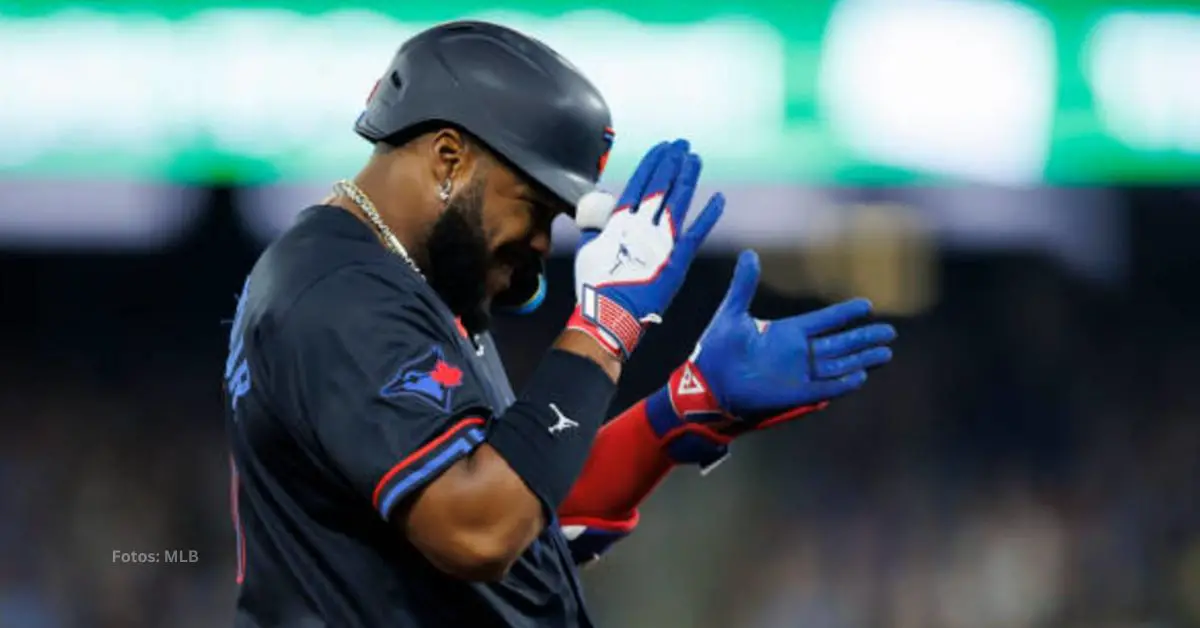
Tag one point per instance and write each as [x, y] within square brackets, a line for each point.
[865, 92]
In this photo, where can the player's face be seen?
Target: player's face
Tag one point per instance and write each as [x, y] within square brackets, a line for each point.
[495, 226]
[516, 223]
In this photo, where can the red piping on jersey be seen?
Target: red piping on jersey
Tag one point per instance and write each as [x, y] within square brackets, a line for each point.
[418, 454]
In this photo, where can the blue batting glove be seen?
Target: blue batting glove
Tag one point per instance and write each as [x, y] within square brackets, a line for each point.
[748, 374]
[631, 260]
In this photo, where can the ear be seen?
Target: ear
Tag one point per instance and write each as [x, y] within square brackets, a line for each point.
[451, 153]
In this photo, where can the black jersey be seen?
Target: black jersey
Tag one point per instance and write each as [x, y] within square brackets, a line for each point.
[350, 386]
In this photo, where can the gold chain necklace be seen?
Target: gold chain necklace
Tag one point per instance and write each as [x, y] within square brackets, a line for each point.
[364, 203]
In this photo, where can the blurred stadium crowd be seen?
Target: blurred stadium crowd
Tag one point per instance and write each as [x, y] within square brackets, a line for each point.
[1030, 460]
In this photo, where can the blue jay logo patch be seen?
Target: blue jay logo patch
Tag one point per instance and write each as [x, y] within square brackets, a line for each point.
[429, 378]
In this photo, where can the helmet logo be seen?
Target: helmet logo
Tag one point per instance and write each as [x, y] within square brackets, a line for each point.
[609, 136]
[373, 90]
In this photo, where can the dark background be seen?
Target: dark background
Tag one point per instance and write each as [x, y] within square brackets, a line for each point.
[1031, 458]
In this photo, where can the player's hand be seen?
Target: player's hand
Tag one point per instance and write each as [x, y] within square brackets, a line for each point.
[632, 259]
[748, 374]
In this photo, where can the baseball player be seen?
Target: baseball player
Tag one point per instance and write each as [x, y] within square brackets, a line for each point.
[384, 471]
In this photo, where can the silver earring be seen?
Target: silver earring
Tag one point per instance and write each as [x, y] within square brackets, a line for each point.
[444, 191]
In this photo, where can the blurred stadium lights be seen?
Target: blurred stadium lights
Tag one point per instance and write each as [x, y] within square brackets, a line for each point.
[1144, 69]
[793, 117]
[281, 89]
[957, 88]
[854, 92]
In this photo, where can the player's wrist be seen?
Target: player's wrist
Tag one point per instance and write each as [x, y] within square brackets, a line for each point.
[683, 415]
[608, 320]
[583, 327]
[587, 345]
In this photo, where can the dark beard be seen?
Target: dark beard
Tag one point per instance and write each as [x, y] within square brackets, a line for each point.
[459, 258]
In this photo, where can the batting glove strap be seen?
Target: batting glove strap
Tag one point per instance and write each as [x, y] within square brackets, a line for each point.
[685, 416]
[693, 425]
[607, 321]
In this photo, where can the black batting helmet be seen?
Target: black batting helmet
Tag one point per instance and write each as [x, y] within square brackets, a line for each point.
[512, 92]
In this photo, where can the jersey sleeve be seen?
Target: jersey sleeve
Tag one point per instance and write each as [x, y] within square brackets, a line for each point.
[381, 383]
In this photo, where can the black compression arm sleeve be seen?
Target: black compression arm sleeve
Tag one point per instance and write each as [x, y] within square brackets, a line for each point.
[546, 435]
